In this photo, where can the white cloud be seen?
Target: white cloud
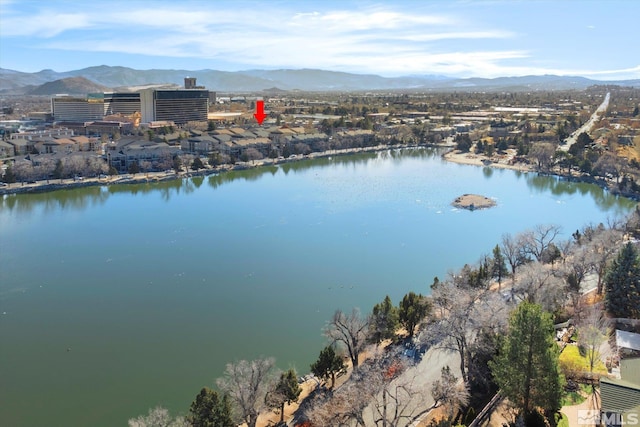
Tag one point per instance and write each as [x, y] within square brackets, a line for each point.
[375, 39]
[45, 25]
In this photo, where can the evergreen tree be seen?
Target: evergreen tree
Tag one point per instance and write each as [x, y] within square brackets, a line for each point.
[9, 176]
[328, 365]
[134, 168]
[622, 284]
[210, 410]
[526, 367]
[58, 171]
[177, 163]
[499, 265]
[413, 309]
[287, 390]
[197, 164]
[384, 321]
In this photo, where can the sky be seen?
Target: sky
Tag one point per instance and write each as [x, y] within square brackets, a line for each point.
[454, 38]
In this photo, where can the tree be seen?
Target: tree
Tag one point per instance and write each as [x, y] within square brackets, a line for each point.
[177, 163]
[449, 391]
[461, 314]
[58, 172]
[210, 410]
[251, 154]
[513, 250]
[622, 284]
[384, 321]
[9, 176]
[463, 142]
[158, 417]
[197, 164]
[287, 390]
[350, 331]
[526, 367]
[328, 365]
[538, 240]
[134, 168]
[542, 153]
[246, 383]
[593, 329]
[412, 310]
[498, 266]
[538, 284]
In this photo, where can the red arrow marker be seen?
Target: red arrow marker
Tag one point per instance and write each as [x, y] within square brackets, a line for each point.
[259, 114]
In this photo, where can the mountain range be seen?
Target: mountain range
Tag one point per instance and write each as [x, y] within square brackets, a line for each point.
[104, 78]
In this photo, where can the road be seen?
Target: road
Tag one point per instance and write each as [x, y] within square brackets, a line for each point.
[588, 125]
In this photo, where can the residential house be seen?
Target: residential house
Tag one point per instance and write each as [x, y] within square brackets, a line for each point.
[22, 146]
[202, 144]
[620, 398]
[6, 149]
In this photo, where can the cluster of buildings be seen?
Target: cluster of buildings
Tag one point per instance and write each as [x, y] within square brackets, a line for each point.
[180, 106]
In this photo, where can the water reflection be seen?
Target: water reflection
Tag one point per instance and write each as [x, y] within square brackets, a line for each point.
[79, 199]
[560, 187]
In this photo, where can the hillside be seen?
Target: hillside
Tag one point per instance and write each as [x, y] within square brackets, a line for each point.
[69, 85]
[16, 82]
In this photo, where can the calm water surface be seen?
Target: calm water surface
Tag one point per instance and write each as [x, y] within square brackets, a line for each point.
[114, 300]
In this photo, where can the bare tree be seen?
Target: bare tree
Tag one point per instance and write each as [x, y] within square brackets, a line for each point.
[253, 154]
[247, 384]
[542, 153]
[449, 391]
[538, 284]
[604, 246]
[350, 331]
[158, 417]
[513, 250]
[538, 240]
[593, 331]
[380, 393]
[575, 270]
[610, 165]
[461, 312]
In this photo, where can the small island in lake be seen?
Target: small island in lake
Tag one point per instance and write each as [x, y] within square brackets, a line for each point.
[473, 202]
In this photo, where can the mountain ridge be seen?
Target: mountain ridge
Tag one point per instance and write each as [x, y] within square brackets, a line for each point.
[17, 82]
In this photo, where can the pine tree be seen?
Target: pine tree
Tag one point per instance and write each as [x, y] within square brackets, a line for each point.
[526, 368]
[499, 265]
[58, 171]
[9, 177]
[622, 284]
[328, 365]
[210, 410]
[286, 391]
[413, 309]
[384, 321]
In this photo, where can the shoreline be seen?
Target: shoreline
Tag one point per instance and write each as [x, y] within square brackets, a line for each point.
[44, 186]
[505, 161]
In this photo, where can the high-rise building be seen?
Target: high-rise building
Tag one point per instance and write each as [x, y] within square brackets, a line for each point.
[178, 106]
[77, 109]
[189, 82]
[126, 103]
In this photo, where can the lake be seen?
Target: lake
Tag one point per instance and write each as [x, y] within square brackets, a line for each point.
[117, 299]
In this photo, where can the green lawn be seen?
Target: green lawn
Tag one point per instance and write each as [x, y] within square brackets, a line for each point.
[576, 397]
[571, 358]
[563, 422]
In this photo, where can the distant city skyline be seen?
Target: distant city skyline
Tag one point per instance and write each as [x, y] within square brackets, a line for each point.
[463, 38]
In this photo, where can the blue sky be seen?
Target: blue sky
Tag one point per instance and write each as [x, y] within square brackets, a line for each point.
[465, 38]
